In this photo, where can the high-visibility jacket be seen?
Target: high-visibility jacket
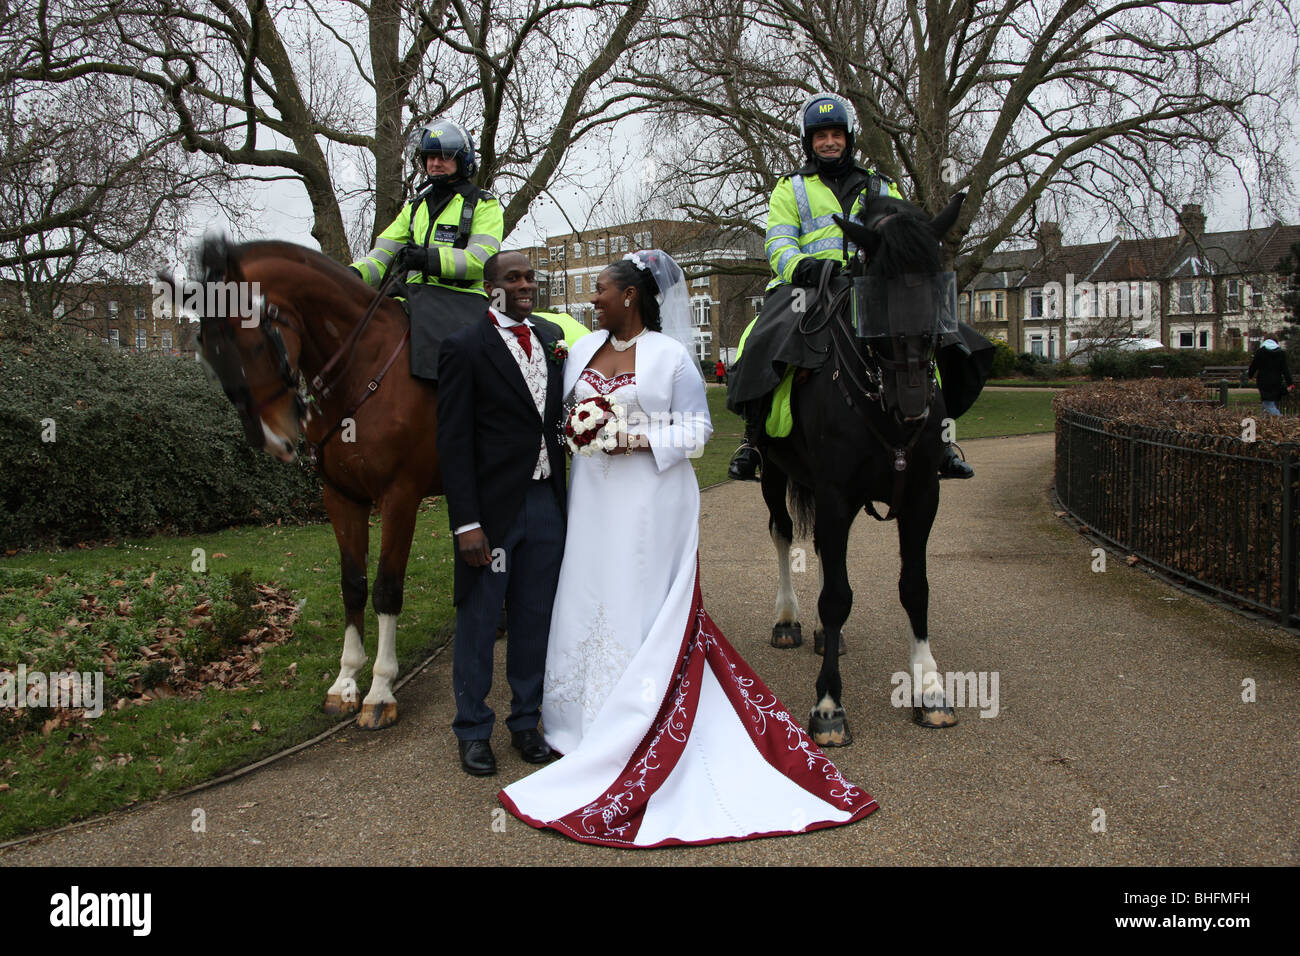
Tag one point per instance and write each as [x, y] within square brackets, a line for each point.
[461, 262]
[800, 223]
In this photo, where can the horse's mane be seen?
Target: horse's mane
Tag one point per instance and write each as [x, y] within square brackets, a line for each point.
[906, 242]
[293, 251]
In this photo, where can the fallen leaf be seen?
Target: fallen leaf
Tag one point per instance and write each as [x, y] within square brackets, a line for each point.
[1131, 560]
[256, 728]
[219, 554]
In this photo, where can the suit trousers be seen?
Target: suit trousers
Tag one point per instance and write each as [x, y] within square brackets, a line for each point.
[524, 574]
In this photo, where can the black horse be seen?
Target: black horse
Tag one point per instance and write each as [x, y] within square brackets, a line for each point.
[867, 428]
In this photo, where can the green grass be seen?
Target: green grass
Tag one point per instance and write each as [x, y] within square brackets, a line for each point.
[996, 414]
[1037, 382]
[141, 752]
[728, 430]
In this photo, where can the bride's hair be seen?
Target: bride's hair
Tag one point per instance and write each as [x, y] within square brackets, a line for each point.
[625, 273]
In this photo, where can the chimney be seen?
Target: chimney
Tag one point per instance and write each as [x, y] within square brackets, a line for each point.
[1049, 238]
[1191, 221]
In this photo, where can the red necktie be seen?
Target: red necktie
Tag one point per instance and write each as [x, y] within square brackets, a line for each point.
[522, 333]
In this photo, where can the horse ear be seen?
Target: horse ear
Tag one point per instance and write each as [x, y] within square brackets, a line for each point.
[941, 223]
[865, 239]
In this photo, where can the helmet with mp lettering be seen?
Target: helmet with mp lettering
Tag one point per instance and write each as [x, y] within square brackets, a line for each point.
[824, 111]
[442, 137]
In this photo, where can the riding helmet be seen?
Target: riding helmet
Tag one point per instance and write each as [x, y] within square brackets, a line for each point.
[445, 138]
[826, 110]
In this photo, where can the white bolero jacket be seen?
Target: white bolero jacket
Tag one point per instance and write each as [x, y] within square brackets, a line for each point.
[668, 386]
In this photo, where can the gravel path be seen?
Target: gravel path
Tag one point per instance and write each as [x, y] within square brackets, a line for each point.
[1117, 693]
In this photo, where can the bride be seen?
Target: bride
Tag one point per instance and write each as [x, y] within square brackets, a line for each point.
[668, 737]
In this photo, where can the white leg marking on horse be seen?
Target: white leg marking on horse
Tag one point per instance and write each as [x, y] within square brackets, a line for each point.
[787, 605]
[381, 687]
[354, 658]
[826, 707]
[924, 669]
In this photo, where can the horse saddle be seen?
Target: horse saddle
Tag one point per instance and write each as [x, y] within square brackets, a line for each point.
[791, 331]
[436, 312]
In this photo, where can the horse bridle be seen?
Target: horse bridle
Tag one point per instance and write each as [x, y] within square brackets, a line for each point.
[268, 316]
[873, 368]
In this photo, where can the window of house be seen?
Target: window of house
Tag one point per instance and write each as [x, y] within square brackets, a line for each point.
[1036, 304]
[1232, 295]
[112, 307]
[139, 314]
[1036, 345]
[1203, 296]
[1185, 296]
[114, 338]
[591, 247]
[166, 339]
[1185, 340]
[577, 285]
[1257, 298]
[986, 306]
[600, 247]
[59, 310]
[141, 339]
[557, 285]
[88, 309]
[577, 249]
[755, 305]
[701, 312]
[700, 281]
[557, 253]
[1205, 338]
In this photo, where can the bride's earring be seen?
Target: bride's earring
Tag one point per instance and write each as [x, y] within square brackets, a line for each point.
[627, 303]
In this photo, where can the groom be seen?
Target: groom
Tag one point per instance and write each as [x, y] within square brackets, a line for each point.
[499, 412]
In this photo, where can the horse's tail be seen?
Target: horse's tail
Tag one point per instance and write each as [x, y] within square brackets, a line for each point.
[802, 508]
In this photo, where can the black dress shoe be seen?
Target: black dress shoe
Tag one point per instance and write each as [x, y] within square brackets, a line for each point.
[477, 758]
[531, 746]
[744, 464]
[953, 467]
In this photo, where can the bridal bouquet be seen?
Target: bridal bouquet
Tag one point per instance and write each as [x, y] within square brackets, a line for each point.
[594, 425]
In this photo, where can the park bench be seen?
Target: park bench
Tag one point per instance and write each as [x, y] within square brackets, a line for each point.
[1229, 373]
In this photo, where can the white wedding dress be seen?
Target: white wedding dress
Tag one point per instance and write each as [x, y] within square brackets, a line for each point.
[668, 737]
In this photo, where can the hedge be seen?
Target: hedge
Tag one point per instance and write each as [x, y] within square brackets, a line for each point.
[141, 445]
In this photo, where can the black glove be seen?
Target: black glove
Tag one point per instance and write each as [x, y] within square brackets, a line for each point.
[357, 272]
[413, 258]
[808, 273]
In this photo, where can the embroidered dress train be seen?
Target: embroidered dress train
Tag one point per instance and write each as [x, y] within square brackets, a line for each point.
[668, 736]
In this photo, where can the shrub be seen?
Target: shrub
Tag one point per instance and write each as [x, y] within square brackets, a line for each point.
[1004, 360]
[141, 445]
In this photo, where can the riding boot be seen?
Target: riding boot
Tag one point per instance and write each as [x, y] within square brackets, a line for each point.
[747, 460]
[953, 466]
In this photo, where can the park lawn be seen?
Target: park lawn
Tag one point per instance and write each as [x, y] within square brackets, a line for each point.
[996, 414]
[728, 430]
[142, 752]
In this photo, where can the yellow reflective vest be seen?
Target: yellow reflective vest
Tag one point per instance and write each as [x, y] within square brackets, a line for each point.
[461, 268]
[800, 223]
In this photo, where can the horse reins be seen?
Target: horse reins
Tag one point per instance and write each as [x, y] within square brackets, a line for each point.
[840, 345]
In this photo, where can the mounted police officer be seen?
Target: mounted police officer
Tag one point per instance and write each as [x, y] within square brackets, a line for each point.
[802, 233]
[439, 242]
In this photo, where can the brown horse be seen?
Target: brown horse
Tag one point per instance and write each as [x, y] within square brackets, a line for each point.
[278, 319]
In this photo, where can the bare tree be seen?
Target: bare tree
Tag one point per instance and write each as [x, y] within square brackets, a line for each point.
[1115, 111]
[282, 88]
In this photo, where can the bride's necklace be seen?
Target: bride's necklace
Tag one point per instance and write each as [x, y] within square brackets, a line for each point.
[624, 346]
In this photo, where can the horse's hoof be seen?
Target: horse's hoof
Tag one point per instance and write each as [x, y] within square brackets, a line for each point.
[830, 731]
[377, 716]
[339, 706]
[787, 635]
[819, 643]
[934, 718]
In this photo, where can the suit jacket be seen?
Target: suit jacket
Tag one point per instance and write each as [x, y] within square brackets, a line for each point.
[489, 432]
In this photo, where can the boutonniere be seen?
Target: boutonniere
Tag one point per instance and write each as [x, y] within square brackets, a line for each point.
[557, 352]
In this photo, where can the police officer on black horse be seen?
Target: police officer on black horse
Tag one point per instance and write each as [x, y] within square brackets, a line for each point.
[801, 236]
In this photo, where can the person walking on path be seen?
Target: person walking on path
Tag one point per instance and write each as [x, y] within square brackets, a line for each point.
[1270, 365]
